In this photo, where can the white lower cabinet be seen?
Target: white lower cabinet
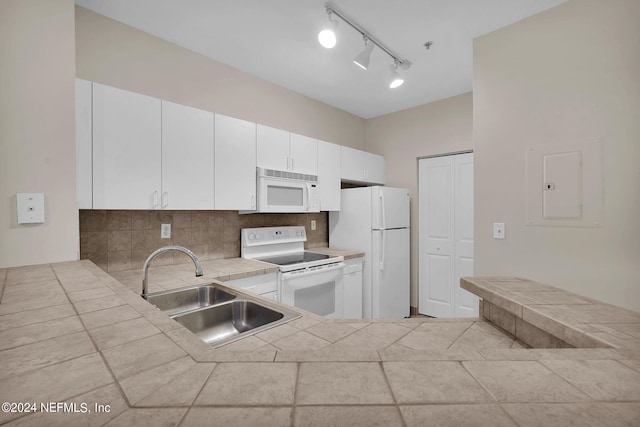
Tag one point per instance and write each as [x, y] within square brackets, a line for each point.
[265, 285]
[353, 288]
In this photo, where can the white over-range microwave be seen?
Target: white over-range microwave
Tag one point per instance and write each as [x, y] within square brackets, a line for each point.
[287, 192]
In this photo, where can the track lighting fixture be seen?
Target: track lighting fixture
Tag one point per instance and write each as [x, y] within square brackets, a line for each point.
[327, 38]
[363, 58]
[396, 77]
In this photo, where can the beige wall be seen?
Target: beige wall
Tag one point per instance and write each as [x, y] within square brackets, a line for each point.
[115, 54]
[37, 129]
[437, 128]
[570, 73]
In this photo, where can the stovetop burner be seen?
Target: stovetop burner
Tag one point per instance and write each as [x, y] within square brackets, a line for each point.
[296, 258]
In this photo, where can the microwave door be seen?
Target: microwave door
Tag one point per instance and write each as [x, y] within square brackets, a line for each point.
[282, 196]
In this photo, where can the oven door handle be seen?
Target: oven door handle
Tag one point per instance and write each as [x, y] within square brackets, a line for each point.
[293, 275]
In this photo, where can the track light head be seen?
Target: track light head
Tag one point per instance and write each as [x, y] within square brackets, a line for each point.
[396, 78]
[327, 37]
[363, 58]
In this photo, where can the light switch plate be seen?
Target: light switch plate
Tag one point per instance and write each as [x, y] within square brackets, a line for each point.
[498, 230]
[313, 224]
[30, 208]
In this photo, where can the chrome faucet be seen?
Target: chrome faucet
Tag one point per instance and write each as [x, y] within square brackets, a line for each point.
[145, 269]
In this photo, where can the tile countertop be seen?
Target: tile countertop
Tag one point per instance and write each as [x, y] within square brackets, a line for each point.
[167, 277]
[71, 333]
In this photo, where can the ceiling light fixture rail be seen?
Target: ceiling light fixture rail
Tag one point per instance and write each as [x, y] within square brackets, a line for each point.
[331, 10]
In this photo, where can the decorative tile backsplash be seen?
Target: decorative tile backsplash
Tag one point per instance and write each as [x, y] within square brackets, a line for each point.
[122, 240]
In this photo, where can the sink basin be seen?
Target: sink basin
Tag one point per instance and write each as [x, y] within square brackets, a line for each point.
[187, 299]
[226, 322]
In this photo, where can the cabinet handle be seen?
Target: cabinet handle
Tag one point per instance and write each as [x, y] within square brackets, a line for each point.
[165, 196]
[253, 201]
[155, 199]
[287, 162]
[292, 163]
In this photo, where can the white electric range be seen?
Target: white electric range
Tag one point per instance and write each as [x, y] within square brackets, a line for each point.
[307, 280]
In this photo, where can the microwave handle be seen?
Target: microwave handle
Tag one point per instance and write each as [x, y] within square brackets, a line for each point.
[307, 206]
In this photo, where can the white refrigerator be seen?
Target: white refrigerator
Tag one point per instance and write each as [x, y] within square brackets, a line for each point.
[375, 220]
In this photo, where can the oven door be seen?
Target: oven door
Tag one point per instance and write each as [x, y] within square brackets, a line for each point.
[282, 195]
[317, 289]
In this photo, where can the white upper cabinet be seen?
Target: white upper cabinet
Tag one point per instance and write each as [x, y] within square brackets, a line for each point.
[304, 154]
[329, 176]
[235, 164]
[362, 167]
[138, 152]
[375, 168]
[273, 148]
[187, 157]
[84, 179]
[126, 149]
[285, 151]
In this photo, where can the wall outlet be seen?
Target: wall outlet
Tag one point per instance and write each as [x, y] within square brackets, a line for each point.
[313, 224]
[165, 231]
[498, 230]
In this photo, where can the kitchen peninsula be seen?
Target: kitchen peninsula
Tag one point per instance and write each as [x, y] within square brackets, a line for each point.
[72, 333]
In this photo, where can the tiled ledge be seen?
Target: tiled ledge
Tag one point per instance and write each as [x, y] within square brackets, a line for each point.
[544, 316]
[70, 332]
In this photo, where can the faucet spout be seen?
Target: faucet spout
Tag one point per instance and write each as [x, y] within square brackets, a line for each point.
[145, 269]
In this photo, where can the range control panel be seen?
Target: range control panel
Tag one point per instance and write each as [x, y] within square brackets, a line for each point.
[272, 235]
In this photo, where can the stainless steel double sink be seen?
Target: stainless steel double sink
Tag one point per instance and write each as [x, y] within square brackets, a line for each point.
[218, 315]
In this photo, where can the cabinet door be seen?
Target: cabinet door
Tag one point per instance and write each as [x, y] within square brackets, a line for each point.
[126, 149]
[187, 157]
[329, 176]
[273, 148]
[352, 165]
[304, 154]
[84, 178]
[353, 289]
[374, 168]
[235, 164]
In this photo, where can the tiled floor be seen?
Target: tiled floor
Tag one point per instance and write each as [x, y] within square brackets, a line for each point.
[92, 340]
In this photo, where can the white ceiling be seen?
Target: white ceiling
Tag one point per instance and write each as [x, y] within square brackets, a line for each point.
[277, 40]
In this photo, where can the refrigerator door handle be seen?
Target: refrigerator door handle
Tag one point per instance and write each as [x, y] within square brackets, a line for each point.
[382, 210]
[382, 249]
